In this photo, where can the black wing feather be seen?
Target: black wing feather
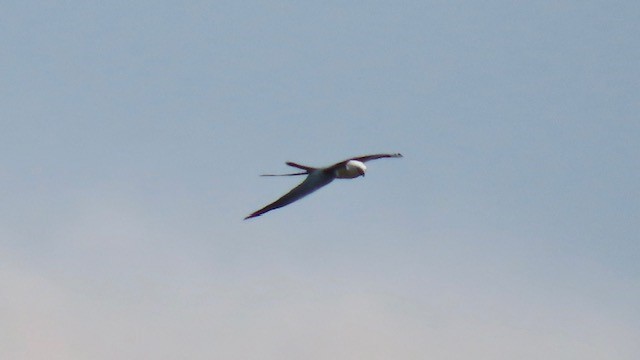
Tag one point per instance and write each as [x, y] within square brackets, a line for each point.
[366, 158]
[313, 182]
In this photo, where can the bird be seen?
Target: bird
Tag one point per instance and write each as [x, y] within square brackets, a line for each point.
[318, 177]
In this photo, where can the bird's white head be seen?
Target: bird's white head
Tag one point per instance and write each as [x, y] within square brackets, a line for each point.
[355, 167]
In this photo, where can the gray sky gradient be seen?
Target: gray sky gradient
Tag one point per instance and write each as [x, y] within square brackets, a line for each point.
[132, 136]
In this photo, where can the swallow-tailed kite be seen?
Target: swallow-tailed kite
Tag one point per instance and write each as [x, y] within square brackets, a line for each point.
[319, 177]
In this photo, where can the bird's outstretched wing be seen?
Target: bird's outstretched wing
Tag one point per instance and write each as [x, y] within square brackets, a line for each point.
[313, 182]
[368, 157]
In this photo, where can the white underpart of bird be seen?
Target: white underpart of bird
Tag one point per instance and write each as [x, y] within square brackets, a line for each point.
[351, 170]
[319, 177]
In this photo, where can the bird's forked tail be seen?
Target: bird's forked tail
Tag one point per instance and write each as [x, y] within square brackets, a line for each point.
[303, 167]
[307, 170]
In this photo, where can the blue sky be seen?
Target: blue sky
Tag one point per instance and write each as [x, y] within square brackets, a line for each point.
[133, 134]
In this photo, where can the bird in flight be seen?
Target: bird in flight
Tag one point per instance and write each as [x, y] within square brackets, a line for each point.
[319, 177]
